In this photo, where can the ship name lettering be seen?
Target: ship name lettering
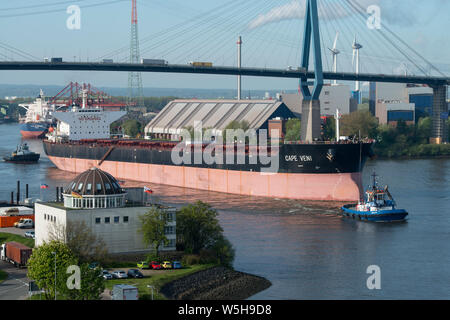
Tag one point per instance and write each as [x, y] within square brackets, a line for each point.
[306, 158]
[86, 118]
[291, 158]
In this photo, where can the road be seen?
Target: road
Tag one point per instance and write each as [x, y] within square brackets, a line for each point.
[15, 287]
[20, 232]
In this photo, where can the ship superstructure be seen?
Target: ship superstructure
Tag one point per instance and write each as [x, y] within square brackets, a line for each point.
[37, 120]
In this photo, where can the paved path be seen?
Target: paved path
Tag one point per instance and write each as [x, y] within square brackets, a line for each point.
[20, 232]
[15, 287]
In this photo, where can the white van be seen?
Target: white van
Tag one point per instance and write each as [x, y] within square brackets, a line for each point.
[26, 223]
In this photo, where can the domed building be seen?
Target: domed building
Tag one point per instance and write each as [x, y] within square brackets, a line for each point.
[96, 198]
[93, 189]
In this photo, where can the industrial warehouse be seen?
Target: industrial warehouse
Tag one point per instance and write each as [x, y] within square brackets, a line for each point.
[215, 114]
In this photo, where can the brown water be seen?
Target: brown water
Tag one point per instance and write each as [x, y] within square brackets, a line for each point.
[305, 248]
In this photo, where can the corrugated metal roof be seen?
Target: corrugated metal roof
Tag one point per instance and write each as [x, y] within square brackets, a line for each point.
[217, 114]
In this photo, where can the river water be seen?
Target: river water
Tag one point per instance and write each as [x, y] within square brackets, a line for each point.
[304, 248]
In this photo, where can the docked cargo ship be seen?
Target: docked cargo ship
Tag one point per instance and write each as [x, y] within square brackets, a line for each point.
[37, 119]
[314, 171]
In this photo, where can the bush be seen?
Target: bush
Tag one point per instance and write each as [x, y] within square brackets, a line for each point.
[190, 259]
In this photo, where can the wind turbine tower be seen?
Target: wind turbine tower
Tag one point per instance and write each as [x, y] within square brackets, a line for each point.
[335, 52]
[356, 47]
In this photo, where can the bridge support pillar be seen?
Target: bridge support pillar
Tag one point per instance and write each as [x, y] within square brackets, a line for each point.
[440, 115]
[310, 128]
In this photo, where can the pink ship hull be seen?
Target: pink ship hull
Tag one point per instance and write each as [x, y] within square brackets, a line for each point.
[31, 134]
[320, 187]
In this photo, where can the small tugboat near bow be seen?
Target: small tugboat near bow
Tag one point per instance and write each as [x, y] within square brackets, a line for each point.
[23, 155]
[378, 206]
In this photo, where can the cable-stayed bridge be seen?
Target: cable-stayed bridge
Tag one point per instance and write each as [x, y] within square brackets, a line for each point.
[220, 70]
[206, 37]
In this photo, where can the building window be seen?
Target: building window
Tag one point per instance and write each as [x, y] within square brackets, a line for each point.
[170, 243]
[125, 219]
[171, 217]
[107, 219]
[116, 219]
[98, 220]
[169, 230]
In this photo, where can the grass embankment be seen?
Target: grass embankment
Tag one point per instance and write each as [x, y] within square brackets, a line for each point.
[7, 237]
[412, 151]
[157, 280]
[3, 276]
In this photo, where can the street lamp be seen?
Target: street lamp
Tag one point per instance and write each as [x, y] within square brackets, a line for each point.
[151, 287]
[54, 253]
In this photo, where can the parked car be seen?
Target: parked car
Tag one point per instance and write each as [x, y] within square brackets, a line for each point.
[134, 273]
[166, 265]
[143, 265]
[29, 234]
[177, 265]
[93, 265]
[27, 223]
[106, 275]
[17, 222]
[120, 274]
[155, 265]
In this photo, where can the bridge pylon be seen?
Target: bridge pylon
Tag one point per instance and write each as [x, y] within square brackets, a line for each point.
[310, 128]
[440, 115]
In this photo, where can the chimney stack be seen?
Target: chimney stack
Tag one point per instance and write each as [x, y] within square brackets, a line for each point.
[239, 85]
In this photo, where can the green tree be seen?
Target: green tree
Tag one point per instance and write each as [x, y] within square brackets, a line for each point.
[41, 265]
[224, 251]
[91, 287]
[359, 121]
[152, 228]
[197, 227]
[329, 129]
[199, 231]
[132, 128]
[87, 246]
[236, 125]
[423, 130]
[293, 127]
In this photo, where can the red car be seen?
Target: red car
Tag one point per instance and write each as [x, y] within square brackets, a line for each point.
[155, 265]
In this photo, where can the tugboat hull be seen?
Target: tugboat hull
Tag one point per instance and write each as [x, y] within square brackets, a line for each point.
[23, 159]
[374, 216]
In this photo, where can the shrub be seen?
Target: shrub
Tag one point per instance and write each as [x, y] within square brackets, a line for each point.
[190, 259]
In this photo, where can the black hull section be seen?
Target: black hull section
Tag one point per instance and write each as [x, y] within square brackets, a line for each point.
[25, 159]
[292, 158]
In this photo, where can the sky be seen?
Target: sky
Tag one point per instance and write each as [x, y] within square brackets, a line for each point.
[206, 30]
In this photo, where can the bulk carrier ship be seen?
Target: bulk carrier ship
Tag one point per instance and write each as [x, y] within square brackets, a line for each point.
[316, 171]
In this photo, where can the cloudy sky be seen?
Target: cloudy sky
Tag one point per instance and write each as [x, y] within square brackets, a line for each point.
[206, 30]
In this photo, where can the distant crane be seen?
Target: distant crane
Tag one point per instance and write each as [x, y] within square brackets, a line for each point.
[335, 52]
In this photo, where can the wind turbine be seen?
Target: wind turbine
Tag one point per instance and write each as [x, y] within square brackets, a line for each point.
[356, 47]
[335, 53]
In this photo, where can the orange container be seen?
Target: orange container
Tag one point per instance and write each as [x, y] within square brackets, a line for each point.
[8, 221]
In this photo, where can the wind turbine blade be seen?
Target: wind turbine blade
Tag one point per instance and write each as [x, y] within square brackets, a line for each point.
[335, 40]
[353, 57]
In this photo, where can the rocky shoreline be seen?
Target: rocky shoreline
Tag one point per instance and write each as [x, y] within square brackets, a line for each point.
[217, 283]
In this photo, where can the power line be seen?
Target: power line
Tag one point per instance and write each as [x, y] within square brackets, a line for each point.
[58, 10]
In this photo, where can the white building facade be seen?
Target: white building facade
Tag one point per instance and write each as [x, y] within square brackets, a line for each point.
[104, 210]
